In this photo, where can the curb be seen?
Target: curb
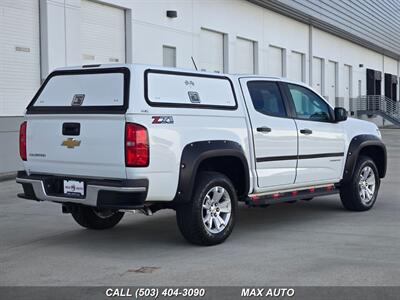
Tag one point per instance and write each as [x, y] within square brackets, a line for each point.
[7, 176]
[389, 128]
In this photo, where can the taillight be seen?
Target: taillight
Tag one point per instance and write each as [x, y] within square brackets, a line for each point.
[136, 146]
[22, 141]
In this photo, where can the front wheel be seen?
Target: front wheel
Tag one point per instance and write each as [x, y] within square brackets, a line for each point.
[361, 192]
[209, 218]
[94, 218]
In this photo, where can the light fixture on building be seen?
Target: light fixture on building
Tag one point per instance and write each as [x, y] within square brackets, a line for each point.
[361, 65]
[172, 14]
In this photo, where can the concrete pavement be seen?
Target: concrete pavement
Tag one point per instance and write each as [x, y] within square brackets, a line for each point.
[306, 243]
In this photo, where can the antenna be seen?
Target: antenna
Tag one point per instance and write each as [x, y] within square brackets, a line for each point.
[194, 63]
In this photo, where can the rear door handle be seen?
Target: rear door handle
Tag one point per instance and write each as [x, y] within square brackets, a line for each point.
[306, 131]
[264, 129]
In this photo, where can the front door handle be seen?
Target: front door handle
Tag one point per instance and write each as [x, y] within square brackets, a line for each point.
[306, 131]
[264, 129]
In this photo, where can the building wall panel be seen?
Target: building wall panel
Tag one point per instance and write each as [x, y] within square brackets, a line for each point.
[102, 33]
[244, 53]
[372, 23]
[19, 55]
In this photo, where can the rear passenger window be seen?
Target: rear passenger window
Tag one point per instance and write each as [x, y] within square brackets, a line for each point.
[266, 98]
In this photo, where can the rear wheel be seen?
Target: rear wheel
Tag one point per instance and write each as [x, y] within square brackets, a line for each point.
[209, 217]
[360, 193]
[94, 218]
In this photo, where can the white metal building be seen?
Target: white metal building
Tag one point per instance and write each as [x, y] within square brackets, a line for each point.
[235, 36]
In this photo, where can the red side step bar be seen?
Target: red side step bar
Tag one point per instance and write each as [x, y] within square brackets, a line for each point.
[286, 196]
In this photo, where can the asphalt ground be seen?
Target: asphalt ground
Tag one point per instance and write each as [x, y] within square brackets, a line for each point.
[301, 244]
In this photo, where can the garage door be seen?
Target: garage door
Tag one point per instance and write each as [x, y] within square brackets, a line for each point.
[331, 73]
[102, 33]
[347, 87]
[211, 56]
[296, 66]
[244, 63]
[19, 55]
[317, 75]
[275, 61]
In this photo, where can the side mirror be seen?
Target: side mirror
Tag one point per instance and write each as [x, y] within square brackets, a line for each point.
[340, 114]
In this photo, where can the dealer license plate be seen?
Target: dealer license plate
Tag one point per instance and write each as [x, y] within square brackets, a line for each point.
[74, 188]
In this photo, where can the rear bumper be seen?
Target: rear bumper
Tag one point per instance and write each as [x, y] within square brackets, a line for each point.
[101, 193]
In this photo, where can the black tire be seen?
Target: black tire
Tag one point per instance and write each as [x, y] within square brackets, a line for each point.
[350, 193]
[190, 215]
[90, 217]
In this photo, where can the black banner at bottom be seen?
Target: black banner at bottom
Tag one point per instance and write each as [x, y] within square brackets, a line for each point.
[211, 292]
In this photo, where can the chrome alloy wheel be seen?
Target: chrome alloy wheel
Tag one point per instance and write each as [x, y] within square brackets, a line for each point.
[366, 185]
[216, 210]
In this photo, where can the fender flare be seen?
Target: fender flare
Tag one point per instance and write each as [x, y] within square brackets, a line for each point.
[195, 153]
[358, 143]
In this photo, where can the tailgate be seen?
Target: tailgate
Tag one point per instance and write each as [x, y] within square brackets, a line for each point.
[98, 150]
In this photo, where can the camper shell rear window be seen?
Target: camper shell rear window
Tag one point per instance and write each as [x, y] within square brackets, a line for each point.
[83, 91]
[192, 90]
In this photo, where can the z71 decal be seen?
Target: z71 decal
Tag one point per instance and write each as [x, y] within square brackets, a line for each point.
[163, 120]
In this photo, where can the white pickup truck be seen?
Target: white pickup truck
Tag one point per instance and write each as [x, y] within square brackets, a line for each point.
[106, 139]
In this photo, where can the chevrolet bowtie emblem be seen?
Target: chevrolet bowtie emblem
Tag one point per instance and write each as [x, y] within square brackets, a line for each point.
[71, 143]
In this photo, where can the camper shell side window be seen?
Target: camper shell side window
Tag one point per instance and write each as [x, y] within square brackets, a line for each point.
[191, 90]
